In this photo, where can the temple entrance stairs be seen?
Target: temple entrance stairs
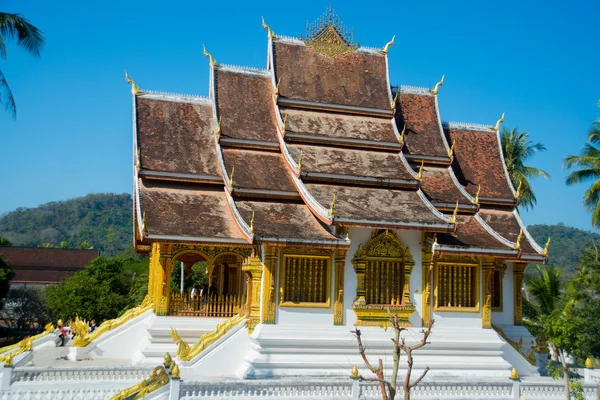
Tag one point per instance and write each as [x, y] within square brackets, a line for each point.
[454, 351]
[158, 340]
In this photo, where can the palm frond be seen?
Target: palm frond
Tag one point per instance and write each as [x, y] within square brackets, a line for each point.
[6, 96]
[15, 26]
[582, 175]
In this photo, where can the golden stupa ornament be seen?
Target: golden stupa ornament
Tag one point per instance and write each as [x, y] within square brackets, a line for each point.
[167, 360]
[211, 59]
[514, 375]
[175, 371]
[498, 123]
[329, 36]
[387, 46]
[546, 247]
[354, 373]
[436, 88]
[588, 363]
[332, 205]
[134, 88]
[270, 32]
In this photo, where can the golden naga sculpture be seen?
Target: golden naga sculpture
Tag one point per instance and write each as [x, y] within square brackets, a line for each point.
[454, 213]
[518, 192]
[402, 137]
[436, 88]
[476, 201]
[420, 173]
[518, 242]
[134, 88]
[500, 121]
[395, 100]
[157, 379]
[332, 205]
[183, 349]
[387, 46]
[451, 151]
[546, 247]
[212, 61]
[270, 32]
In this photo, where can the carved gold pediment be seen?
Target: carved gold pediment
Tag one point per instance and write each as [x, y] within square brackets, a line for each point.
[330, 43]
[384, 244]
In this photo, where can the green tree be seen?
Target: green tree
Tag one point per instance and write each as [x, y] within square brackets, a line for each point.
[518, 149]
[26, 311]
[6, 274]
[588, 164]
[28, 37]
[64, 244]
[5, 242]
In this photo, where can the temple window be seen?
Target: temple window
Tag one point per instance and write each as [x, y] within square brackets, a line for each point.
[457, 287]
[305, 281]
[384, 281]
[496, 286]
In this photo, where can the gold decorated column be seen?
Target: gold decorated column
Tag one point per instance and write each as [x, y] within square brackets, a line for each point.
[338, 308]
[486, 282]
[360, 266]
[254, 267]
[269, 283]
[518, 271]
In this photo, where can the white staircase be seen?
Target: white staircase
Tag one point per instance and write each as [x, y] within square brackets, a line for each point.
[159, 340]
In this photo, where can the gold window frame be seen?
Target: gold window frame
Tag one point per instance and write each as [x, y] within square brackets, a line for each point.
[476, 308]
[283, 277]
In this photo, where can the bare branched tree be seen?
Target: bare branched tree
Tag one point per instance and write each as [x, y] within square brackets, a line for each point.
[389, 388]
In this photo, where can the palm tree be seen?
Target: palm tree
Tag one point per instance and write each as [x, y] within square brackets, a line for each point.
[589, 169]
[517, 149]
[28, 37]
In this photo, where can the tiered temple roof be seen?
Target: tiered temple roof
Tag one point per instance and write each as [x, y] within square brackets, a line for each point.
[319, 140]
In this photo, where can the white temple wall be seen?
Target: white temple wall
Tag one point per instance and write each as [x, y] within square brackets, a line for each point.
[506, 316]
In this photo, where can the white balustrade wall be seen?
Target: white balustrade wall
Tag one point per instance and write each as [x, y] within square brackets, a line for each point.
[43, 375]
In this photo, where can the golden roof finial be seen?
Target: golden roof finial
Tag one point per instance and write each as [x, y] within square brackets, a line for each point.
[219, 126]
[354, 373]
[144, 221]
[518, 242]
[299, 169]
[501, 120]
[420, 173]
[134, 88]
[395, 101]
[436, 88]
[546, 247]
[387, 46]
[175, 371]
[231, 178]
[451, 151]
[518, 192]
[332, 205]
[454, 213]
[252, 223]
[212, 61]
[402, 136]
[283, 125]
[277, 87]
[514, 375]
[476, 201]
[588, 363]
[270, 32]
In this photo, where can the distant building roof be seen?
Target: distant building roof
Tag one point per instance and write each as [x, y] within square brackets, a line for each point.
[38, 265]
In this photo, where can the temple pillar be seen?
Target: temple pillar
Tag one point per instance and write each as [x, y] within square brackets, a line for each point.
[486, 282]
[269, 278]
[338, 307]
[518, 272]
[427, 269]
[254, 267]
[360, 268]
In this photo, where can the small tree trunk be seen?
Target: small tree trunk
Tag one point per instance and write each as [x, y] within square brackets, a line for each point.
[381, 381]
[554, 352]
[407, 379]
[396, 359]
[565, 368]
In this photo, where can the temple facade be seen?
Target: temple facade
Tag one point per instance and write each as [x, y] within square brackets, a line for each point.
[320, 196]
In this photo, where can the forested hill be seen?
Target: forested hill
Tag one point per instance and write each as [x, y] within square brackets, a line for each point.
[566, 244]
[104, 221]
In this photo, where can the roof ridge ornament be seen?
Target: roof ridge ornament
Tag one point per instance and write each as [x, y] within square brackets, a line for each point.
[299, 169]
[454, 213]
[218, 132]
[436, 88]
[420, 173]
[497, 126]
[270, 32]
[277, 87]
[212, 61]
[134, 88]
[283, 125]
[332, 205]
[518, 192]
[395, 100]
[518, 242]
[231, 178]
[252, 224]
[387, 46]
[546, 247]
[476, 200]
[451, 151]
[329, 36]
[402, 137]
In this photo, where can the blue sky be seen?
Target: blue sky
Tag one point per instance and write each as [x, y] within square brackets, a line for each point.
[536, 61]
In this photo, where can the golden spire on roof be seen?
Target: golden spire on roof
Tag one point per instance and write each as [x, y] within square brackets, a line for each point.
[213, 63]
[436, 88]
[454, 213]
[299, 169]
[277, 87]
[501, 120]
[387, 46]
[134, 88]
[219, 127]
[518, 192]
[420, 173]
[252, 223]
[270, 32]
[283, 125]
[231, 178]
[476, 201]
[332, 205]
[329, 36]
[395, 100]
[518, 242]
[402, 136]
[451, 151]
[546, 247]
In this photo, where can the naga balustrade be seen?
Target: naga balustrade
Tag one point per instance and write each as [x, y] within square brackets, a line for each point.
[225, 306]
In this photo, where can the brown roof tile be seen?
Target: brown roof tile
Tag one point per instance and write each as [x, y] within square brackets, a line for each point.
[423, 132]
[354, 79]
[507, 226]
[187, 210]
[48, 258]
[478, 161]
[470, 233]
[176, 137]
[283, 221]
[245, 105]
[394, 207]
[438, 185]
[258, 170]
[339, 126]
